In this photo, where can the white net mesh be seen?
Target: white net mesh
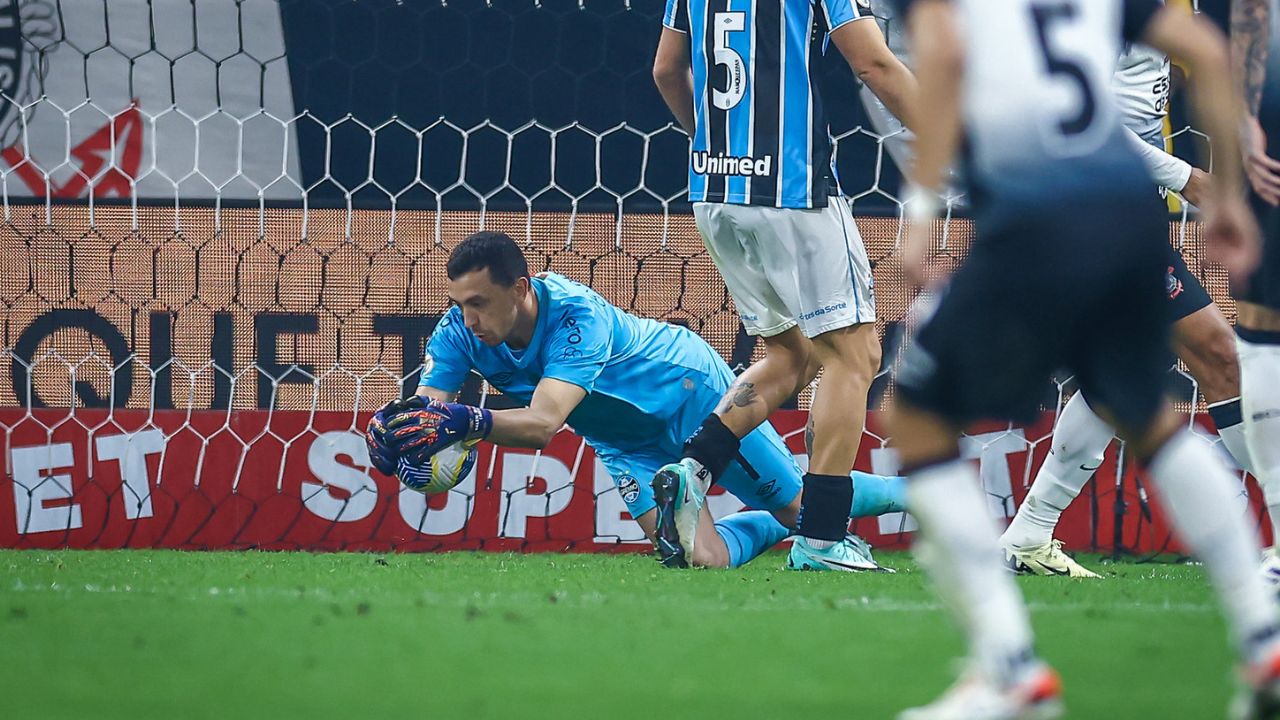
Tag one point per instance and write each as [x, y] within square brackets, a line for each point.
[207, 286]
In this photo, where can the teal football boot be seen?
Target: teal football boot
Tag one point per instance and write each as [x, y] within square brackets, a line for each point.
[852, 554]
[680, 491]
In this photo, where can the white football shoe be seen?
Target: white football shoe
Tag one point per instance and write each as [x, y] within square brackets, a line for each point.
[1046, 559]
[1038, 696]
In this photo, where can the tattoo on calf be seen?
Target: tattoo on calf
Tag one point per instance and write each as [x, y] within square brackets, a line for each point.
[741, 395]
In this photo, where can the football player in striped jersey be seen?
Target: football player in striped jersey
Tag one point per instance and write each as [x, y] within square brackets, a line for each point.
[739, 76]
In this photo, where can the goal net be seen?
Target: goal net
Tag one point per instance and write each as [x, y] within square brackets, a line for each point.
[224, 233]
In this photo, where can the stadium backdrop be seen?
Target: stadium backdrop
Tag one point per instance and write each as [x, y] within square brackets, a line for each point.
[225, 226]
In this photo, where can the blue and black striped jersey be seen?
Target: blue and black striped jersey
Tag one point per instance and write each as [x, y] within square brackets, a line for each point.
[761, 135]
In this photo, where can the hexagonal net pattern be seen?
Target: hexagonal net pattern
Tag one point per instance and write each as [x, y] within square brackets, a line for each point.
[207, 287]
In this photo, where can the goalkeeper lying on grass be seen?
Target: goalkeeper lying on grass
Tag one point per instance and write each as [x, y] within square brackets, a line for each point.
[635, 389]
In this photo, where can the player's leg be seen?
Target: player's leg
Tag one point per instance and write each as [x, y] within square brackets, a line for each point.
[788, 365]
[1203, 339]
[731, 542]
[980, 353]
[1198, 493]
[1195, 487]
[1260, 370]
[1258, 328]
[765, 475]
[1076, 450]
[743, 245]
[836, 308]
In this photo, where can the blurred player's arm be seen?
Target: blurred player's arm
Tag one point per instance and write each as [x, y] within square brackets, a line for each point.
[1250, 39]
[1230, 231]
[1250, 42]
[940, 62]
[1166, 170]
[864, 48]
[673, 76]
[1201, 45]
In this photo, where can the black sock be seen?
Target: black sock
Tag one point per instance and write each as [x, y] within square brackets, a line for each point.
[824, 507]
[713, 445]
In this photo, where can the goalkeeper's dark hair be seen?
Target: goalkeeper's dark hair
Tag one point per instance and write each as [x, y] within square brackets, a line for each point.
[492, 250]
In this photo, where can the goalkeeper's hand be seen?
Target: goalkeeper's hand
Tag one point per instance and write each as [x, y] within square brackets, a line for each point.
[381, 454]
[418, 434]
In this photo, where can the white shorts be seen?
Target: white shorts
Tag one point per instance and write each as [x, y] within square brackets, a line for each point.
[786, 267]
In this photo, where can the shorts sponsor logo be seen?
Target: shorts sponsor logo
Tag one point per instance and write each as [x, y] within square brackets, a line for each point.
[629, 488]
[704, 163]
[823, 311]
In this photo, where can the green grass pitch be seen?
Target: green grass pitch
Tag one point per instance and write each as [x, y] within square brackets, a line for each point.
[159, 634]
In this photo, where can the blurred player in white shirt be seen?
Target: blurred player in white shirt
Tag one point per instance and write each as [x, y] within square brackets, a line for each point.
[1202, 338]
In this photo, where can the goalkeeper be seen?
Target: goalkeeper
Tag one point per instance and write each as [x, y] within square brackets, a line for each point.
[634, 389]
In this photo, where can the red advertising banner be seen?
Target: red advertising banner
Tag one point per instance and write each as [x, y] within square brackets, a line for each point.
[301, 480]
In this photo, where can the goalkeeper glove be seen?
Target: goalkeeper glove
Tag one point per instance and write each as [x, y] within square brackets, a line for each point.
[381, 454]
[418, 434]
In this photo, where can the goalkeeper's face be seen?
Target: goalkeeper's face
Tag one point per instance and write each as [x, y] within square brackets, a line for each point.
[490, 310]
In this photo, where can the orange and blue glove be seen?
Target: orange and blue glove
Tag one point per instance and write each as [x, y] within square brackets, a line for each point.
[381, 454]
[417, 434]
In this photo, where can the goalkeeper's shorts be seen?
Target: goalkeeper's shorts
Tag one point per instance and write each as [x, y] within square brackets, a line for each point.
[786, 267]
[764, 476]
[1077, 286]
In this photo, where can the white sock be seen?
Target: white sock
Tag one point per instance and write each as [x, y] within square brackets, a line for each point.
[957, 545]
[1260, 405]
[1227, 416]
[1198, 495]
[1079, 440]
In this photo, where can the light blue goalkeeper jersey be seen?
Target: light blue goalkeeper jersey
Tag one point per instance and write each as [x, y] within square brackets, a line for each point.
[649, 384]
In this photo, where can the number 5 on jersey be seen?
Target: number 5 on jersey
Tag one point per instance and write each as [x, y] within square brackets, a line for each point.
[735, 67]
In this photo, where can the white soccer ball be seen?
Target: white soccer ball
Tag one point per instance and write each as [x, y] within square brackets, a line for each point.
[448, 467]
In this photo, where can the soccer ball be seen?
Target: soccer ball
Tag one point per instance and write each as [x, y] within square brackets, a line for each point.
[448, 467]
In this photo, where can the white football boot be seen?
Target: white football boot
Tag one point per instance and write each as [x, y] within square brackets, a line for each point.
[1038, 696]
[1046, 559]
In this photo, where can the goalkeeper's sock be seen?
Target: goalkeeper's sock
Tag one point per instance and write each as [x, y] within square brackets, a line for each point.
[1198, 494]
[1228, 419]
[1076, 450]
[875, 495]
[749, 533]
[713, 446]
[825, 502]
[1260, 402]
[957, 546]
